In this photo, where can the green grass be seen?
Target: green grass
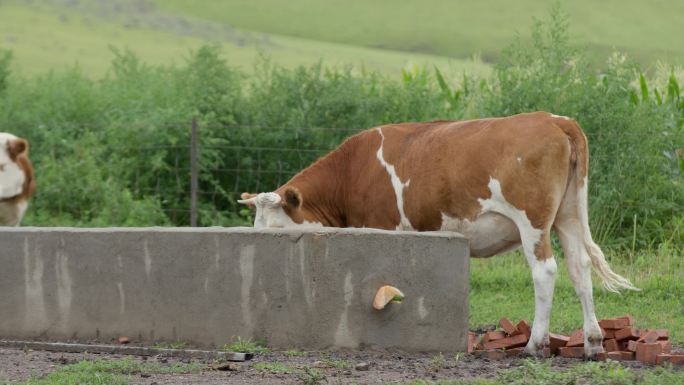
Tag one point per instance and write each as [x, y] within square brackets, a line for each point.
[502, 287]
[48, 36]
[450, 28]
[246, 346]
[294, 353]
[108, 372]
[534, 372]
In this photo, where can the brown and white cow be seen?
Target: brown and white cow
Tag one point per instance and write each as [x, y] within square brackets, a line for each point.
[504, 183]
[16, 179]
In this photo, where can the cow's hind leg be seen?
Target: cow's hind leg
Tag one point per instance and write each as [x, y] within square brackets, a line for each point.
[543, 266]
[570, 231]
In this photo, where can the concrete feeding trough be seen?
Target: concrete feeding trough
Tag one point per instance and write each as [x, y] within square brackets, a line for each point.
[308, 289]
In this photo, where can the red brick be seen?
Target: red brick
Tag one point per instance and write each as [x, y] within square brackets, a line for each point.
[663, 334]
[493, 336]
[629, 318]
[576, 339]
[602, 356]
[627, 356]
[616, 356]
[613, 323]
[472, 341]
[523, 328]
[571, 352]
[647, 353]
[611, 345]
[649, 337]
[667, 345]
[608, 334]
[628, 333]
[674, 359]
[124, 340]
[557, 341]
[506, 343]
[507, 326]
[631, 346]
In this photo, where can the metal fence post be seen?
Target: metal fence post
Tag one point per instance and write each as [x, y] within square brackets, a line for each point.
[193, 174]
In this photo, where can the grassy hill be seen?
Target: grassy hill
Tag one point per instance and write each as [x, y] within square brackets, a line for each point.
[645, 30]
[380, 35]
[45, 35]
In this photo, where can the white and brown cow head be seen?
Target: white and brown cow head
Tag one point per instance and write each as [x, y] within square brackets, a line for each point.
[275, 209]
[16, 179]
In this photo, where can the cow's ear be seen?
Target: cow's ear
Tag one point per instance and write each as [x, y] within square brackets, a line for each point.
[293, 198]
[248, 199]
[17, 147]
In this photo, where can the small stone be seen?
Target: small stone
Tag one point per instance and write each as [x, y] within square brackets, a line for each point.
[362, 366]
[319, 364]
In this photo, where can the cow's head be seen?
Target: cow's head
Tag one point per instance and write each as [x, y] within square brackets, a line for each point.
[15, 169]
[275, 209]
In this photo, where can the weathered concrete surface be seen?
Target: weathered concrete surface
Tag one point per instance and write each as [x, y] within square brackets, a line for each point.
[297, 289]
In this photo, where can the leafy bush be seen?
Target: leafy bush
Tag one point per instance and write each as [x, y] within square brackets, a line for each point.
[115, 151]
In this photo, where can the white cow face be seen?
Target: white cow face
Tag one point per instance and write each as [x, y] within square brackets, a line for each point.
[12, 176]
[274, 210]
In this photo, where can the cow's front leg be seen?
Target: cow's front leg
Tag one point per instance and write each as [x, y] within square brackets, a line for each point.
[544, 276]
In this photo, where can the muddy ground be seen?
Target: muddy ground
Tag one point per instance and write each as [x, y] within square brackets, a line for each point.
[338, 367]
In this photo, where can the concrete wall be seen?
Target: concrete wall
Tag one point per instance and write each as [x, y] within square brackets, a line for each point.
[297, 289]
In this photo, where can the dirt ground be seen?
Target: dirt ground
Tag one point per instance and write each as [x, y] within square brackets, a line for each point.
[338, 367]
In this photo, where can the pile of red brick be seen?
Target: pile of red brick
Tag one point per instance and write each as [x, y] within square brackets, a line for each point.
[621, 342]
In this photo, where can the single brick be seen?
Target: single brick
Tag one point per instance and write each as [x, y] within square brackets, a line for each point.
[647, 353]
[506, 343]
[627, 356]
[472, 341]
[557, 341]
[576, 339]
[666, 345]
[674, 359]
[602, 356]
[613, 323]
[616, 356]
[608, 334]
[631, 346]
[611, 345]
[493, 336]
[507, 326]
[523, 328]
[628, 333]
[663, 334]
[649, 337]
[629, 319]
[571, 352]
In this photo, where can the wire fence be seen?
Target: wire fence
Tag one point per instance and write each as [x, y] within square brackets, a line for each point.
[196, 172]
[201, 180]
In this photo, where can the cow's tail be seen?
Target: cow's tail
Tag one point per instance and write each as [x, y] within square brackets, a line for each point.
[580, 202]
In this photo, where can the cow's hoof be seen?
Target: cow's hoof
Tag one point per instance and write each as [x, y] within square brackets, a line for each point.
[537, 350]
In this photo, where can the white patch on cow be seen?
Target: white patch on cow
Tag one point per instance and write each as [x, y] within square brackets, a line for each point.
[12, 177]
[489, 234]
[270, 213]
[12, 213]
[560, 116]
[529, 236]
[397, 185]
